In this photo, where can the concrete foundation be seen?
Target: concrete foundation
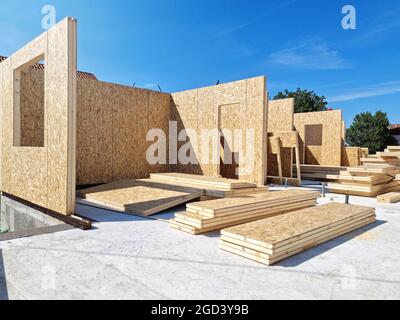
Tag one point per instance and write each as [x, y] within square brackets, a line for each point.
[16, 216]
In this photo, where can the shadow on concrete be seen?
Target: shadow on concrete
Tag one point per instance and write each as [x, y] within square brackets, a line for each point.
[3, 283]
[326, 246]
[98, 213]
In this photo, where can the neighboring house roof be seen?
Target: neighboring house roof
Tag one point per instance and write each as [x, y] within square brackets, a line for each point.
[394, 129]
[80, 74]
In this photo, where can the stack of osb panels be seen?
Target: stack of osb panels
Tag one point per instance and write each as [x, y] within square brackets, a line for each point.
[368, 180]
[205, 216]
[273, 239]
[317, 172]
[213, 186]
[143, 197]
[391, 156]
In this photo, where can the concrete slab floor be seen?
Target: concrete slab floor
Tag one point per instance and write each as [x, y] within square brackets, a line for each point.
[128, 257]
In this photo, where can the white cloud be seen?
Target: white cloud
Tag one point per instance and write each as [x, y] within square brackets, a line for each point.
[310, 54]
[379, 89]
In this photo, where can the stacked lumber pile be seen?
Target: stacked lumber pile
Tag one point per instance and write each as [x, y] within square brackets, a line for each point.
[391, 156]
[205, 216]
[163, 191]
[369, 180]
[376, 176]
[213, 186]
[273, 239]
[320, 173]
[390, 197]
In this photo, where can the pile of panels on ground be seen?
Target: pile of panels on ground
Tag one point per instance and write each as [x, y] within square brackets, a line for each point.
[376, 176]
[320, 173]
[367, 180]
[163, 191]
[205, 216]
[213, 186]
[390, 156]
[276, 238]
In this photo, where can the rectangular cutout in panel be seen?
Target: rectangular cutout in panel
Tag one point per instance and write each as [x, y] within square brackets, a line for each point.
[313, 134]
[28, 104]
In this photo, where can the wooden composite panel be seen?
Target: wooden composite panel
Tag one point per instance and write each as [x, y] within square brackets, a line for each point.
[280, 125]
[112, 124]
[203, 181]
[331, 122]
[142, 196]
[280, 230]
[230, 245]
[390, 197]
[273, 239]
[280, 115]
[44, 175]
[200, 109]
[212, 215]
[351, 156]
[265, 199]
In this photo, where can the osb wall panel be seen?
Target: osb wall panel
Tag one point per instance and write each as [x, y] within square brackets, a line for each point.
[286, 159]
[184, 112]
[280, 115]
[331, 122]
[44, 176]
[313, 155]
[32, 108]
[351, 156]
[112, 125]
[159, 115]
[280, 118]
[94, 132]
[230, 118]
[200, 109]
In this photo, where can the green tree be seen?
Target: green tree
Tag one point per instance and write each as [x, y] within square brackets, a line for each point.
[370, 131]
[304, 101]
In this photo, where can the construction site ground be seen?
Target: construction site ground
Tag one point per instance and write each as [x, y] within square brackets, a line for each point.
[130, 257]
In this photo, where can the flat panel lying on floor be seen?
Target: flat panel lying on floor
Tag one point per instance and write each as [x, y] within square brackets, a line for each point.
[273, 239]
[143, 197]
[203, 181]
[211, 215]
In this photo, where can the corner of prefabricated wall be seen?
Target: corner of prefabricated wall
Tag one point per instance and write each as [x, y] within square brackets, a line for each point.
[44, 175]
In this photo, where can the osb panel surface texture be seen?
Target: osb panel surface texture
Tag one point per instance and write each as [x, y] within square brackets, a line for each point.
[206, 108]
[112, 124]
[280, 119]
[32, 108]
[276, 229]
[280, 115]
[138, 194]
[331, 122]
[42, 175]
[351, 156]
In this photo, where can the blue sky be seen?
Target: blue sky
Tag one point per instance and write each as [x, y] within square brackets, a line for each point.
[187, 44]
